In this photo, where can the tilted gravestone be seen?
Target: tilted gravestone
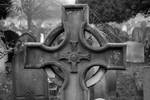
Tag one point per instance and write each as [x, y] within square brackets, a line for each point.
[26, 82]
[74, 56]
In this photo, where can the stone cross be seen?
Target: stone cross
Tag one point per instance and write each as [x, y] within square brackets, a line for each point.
[74, 56]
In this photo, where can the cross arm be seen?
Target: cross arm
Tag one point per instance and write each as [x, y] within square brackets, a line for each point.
[37, 54]
[116, 56]
[112, 57]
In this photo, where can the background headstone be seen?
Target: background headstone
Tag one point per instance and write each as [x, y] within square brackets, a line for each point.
[135, 52]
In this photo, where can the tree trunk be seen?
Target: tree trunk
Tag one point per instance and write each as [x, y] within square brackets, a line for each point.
[29, 21]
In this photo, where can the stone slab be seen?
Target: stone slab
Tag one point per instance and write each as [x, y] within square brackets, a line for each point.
[135, 52]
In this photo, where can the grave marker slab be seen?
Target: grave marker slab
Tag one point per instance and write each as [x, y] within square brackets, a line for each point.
[74, 56]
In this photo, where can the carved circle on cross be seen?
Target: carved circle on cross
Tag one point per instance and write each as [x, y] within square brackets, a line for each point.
[74, 57]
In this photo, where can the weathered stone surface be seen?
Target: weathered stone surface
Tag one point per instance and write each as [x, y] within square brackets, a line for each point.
[5, 87]
[130, 84]
[73, 56]
[127, 84]
[146, 83]
[135, 52]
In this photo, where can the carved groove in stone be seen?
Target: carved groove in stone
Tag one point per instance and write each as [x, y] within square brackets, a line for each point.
[74, 56]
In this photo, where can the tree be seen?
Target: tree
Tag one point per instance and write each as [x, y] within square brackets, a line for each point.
[5, 5]
[145, 6]
[35, 10]
[112, 10]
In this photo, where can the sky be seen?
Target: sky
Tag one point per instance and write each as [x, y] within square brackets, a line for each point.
[71, 1]
[68, 1]
[53, 14]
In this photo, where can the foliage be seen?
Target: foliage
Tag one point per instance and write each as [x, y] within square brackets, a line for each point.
[5, 5]
[113, 34]
[35, 10]
[112, 10]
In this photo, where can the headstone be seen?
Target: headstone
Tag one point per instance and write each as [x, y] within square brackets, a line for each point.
[74, 56]
[135, 52]
[137, 34]
[27, 83]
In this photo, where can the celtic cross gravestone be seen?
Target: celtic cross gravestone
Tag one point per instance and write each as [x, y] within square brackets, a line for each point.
[74, 56]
